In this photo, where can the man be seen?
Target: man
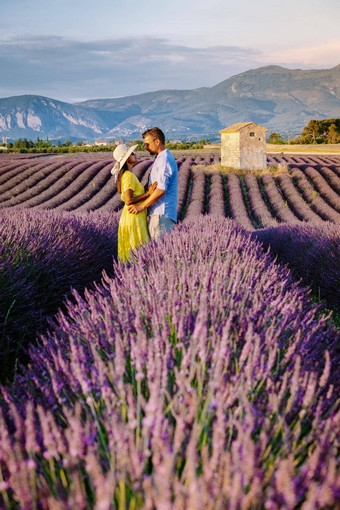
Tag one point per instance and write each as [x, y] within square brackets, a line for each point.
[162, 203]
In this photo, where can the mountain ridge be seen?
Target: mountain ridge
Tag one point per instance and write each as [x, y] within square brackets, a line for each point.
[281, 99]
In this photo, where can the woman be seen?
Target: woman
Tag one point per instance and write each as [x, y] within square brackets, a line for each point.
[133, 229]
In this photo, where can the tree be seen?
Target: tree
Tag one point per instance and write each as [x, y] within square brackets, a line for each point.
[275, 138]
[333, 134]
[21, 144]
[312, 131]
[321, 131]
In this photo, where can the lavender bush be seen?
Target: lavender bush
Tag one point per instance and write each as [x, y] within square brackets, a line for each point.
[196, 203]
[312, 252]
[43, 255]
[216, 194]
[184, 186]
[190, 380]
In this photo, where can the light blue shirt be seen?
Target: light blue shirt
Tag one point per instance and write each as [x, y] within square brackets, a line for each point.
[164, 171]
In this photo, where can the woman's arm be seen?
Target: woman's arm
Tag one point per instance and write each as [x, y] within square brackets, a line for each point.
[129, 199]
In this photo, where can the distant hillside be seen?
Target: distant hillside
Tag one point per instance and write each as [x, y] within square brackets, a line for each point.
[281, 99]
[36, 116]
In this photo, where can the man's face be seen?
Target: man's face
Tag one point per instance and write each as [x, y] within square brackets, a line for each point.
[151, 144]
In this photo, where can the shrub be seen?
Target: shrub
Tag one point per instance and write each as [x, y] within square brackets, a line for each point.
[43, 255]
[198, 377]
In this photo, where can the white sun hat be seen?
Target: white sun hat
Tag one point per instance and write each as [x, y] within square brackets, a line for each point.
[121, 155]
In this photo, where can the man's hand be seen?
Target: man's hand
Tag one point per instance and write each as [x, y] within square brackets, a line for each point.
[135, 208]
[152, 188]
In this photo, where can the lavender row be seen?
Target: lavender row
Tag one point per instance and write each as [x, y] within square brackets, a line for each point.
[67, 190]
[237, 207]
[51, 194]
[331, 177]
[12, 168]
[297, 204]
[302, 159]
[20, 175]
[87, 185]
[142, 171]
[43, 255]
[36, 176]
[322, 187]
[196, 204]
[104, 193]
[312, 252]
[21, 169]
[209, 159]
[216, 195]
[317, 203]
[184, 382]
[279, 206]
[184, 185]
[259, 208]
[336, 169]
[10, 163]
[99, 176]
[36, 184]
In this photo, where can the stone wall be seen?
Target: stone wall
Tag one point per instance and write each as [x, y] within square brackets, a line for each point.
[230, 149]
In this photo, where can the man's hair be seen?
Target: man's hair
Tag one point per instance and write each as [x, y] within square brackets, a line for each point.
[155, 132]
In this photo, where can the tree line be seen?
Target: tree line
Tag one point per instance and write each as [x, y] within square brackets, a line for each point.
[45, 146]
[316, 132]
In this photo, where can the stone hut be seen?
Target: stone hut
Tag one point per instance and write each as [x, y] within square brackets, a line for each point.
[243, 146]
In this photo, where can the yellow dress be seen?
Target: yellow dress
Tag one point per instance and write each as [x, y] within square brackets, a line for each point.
[133, 229]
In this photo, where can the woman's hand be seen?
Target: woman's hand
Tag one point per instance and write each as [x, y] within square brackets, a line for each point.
[135, 208]
[152, 188]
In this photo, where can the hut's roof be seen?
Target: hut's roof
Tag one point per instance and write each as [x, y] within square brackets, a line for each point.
[237, 127]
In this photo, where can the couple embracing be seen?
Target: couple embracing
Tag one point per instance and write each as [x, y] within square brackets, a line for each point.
[151, 213]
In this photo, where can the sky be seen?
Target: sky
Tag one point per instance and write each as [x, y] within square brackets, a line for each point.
[74, 50]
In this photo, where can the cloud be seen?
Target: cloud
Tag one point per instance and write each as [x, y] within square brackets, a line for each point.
[67, 69]
[327, 53]
[73, 70]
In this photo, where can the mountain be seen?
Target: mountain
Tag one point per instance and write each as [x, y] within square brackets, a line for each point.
[283, 100]
[37, 116]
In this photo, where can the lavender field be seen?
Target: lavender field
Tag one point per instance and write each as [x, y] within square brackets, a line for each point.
[200, 376]
[81, 182]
